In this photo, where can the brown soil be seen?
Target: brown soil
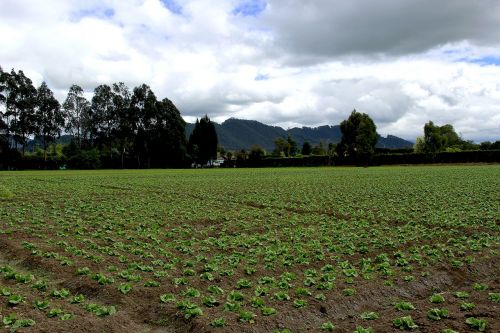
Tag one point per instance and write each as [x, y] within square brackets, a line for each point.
[140, 311]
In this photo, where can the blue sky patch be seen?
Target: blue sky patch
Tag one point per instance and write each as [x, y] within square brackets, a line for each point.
[483, 61]
[173, 6]
[261, 77]
[250, 8]
[110, 12]
[93, 12]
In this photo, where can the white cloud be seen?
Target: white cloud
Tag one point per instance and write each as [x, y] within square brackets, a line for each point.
[295, 63]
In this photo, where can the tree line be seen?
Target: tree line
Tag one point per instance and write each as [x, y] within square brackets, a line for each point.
[118, 126]
[121, 127]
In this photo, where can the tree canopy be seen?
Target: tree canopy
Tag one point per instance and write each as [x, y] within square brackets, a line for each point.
[202, 145]
[359, 137]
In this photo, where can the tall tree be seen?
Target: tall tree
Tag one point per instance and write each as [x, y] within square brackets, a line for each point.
[281, 146]
[3, 124]
[76, 111]
[359, 137]
[306, 148]
[104, 115]
[203, 141]
[123, 135]
[142, 115]
[49, 116]
[292, 146]
[167, 135]
[20, 107]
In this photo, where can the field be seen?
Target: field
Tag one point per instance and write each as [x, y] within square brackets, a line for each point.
[251, 250]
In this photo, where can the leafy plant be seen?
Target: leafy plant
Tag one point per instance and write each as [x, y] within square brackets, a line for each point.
[464, 306]
[461, 294]
[476, 323]
[210, 301]
[77, 299]
[437, 314]
[349, 292]
[437, 298]
[480, 286]
[166, 298]
[41, 304]
[299, 303]
[405, 323]
[62, 293]
[267, 311]
[327, 326]
[22, 323]
[494, 297]
[54, 312]
[125, 288]
[404, 306]
[15, 300]
[247, 316]
[369, 315]
[218, 322]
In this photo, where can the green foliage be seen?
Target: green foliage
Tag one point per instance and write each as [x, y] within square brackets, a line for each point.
[360, 329]
[202, 145]
[436, 298]
[327, 326]
[465, 306]
[369, 315]
[404, 306]
[41, 304]
[404, 323]
[359, 136]
[15, 300]
[247, 316]
[267, 311]
[5, 193]
[437, 314]
[218, 322]
[494, 297]
[476, 323]
[480, 286]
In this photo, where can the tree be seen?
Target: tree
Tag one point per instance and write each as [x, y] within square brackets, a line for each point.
[306, 148]
[419, 146]
[76, 111]
[359, 137]
[123, 135]
[104, 115]
[257, 153]
[202, 145]
[281, 147]
[292, 146]
[441, 138]
[142, 114]
[167, 136]
[19, 97]
[49, 117]
[318, 149]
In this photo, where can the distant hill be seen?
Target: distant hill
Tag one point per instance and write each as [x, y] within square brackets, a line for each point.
[236, 134]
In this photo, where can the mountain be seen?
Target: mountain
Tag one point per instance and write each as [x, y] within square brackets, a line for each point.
[236, 134]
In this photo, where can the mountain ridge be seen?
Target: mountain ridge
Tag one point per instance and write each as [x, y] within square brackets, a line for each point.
[237, 134]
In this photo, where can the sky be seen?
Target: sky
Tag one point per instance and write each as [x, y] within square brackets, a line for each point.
[282, 62]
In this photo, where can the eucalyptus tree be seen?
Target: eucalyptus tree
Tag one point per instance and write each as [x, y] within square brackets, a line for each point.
[76, 111]
[49, 116]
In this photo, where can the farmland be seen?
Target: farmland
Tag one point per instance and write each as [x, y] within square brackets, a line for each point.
[251, 250]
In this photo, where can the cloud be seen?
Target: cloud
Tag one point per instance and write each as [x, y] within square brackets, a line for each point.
[323, 28]
[282, 62]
